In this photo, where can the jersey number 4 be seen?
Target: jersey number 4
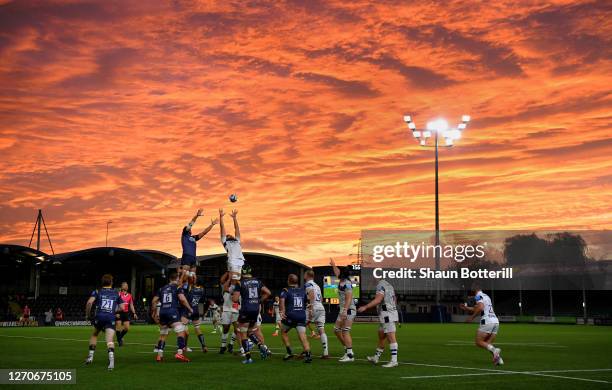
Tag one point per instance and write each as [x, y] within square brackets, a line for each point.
[167, 298]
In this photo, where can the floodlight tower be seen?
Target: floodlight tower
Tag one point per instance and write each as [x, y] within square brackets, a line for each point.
[437, 129]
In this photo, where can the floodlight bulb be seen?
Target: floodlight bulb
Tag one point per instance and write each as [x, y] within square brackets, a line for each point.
[449, 142]
[462, 126]
[416, 134]
[422, 142]
[427, 134]
[407, 118]
[438, 125]
[411, 126]
[465, 118]
[455, 134]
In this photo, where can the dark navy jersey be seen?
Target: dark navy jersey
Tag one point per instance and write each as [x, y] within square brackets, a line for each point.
[106, 301]
[168, 298]
[188, 242]
[194, 296]
[250, 294]
[295, 301]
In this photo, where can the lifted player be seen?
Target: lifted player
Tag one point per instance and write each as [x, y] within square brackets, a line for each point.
[229, 315]
[107, 303]
[194, 296]
[347, 311]
[188, 243]
[251, 294]
[489, 324]
[387, 314]
[235, 258]
[293, 314]
[171, 297]
[124, 312]
[315, 313]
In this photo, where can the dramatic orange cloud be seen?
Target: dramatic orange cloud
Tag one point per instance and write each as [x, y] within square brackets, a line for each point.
[141, 112]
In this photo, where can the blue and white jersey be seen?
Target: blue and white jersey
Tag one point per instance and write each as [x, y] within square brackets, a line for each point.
[194, 296]
[487, 314]
[344, 287]
[106, 301]
[250, 295]
[318, 298]
[169, 298]
[295, 303]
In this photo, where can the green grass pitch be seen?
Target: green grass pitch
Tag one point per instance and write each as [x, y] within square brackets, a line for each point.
[432, 355]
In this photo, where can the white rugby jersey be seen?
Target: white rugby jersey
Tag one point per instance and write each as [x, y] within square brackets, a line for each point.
[234, 251]
[318, 301]
[388, 302]
[276, 308]
[343, 287]
[487, 315]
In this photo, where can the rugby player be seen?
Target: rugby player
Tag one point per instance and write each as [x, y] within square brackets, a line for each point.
[235, 258]
[386, 308]
[171, 297]
[489, 324]
[293, 314]
[123, 317]
[188, 243]
[214, 310]
[315, 313]
[277, 316]
[229, 315]
[107, 303]
[251, 293]
[194, 296]
[347, 311]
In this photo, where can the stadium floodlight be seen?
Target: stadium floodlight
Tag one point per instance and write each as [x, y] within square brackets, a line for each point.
[439, 129]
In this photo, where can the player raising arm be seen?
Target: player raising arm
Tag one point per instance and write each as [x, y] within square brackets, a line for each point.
[387, 314]
[235, 258]
[188, 243]
[489, 324]
[347, 313]
[107, 303]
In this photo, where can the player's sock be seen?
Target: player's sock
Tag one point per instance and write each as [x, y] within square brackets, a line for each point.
[245, 347]
[201, 339]
[349, 352]
[160, 347]
[289, 352]
[180, 343]
[186, 339]
[324, 344]
[490, 348]
[233, 339]
[92, 350]
[379, 351]
[254, 339]
[224, 339]
[393, 348]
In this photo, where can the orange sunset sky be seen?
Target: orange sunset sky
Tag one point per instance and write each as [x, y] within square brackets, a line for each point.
[140, 112]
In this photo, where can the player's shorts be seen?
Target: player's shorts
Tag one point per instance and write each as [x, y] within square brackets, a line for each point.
[188, 260]
[489, 328]
[168, 318]
[124, 316]
[259, 320]
[228, 317]
[234, 267]
[248, 317]
[387, 321]
[192, 317]
[292, 322]
[102, 323]
[318, 316]
[350, 315]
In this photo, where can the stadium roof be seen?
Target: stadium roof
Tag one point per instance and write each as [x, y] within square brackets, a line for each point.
[144, 257]
[20, 251]
[223, 255]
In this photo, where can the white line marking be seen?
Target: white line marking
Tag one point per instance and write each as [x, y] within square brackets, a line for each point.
[517, 345]
[488, 370]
